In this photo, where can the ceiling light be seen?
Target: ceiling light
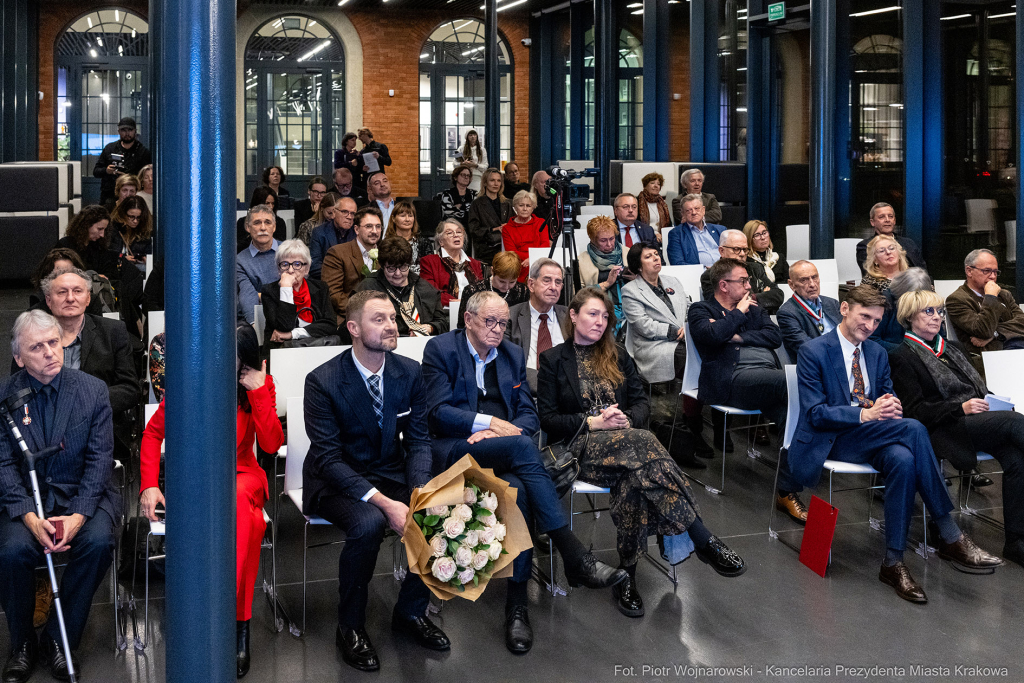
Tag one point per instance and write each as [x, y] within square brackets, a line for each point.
[639, 11]
[955, 16]
[93, 53]
[89, 19]
[511, 4]
[635, 4]
[315, 50]
[1000, 16]
[341, 2]
[876, 11]
[869, 108]
[472, 50]
[896, 105]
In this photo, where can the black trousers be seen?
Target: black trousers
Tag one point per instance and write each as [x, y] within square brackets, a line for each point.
[20, 553]
[1001, 434]
[364, 525]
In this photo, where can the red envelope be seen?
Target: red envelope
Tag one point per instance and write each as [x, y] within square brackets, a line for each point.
[818, 533]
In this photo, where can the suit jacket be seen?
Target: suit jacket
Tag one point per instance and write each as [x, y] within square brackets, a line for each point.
[348, 452]
[303, 210]
[324, 237]
[481, 221]
[798, 328]
[342, 272]
[79, 475]
[520, 330]
[914, 257]
[770, 300]
[449, 374]
[825, 409]
[712, 211]
[983, 318]
[283, 316]
[649, 335]
[682, 247]
[425, 297]
[560, 399]
[719, 354]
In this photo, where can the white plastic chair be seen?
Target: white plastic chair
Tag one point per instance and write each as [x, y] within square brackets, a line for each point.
[689, 276]
[1011, 241]
[946, 287]
[259, 322]
[453, 314]
[664, 242]
[597, 210]
[828, 269]
[412, 347]
[846, 259]
[981, 215]
[290, 367]
[798, 243]
[1003, 373]
[542, 252]
[112, 316]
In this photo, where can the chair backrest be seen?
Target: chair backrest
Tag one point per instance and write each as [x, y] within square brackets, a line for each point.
[689, 276]
[846, 259]
[1011, 241]
[828, 269]
[787, 291]
[150, 409]
[259, 321]
[946, 287]
[597, 210]
[156, 326]
[112, 316]
[582, 240]
[542, 252]
[792, 412]
[453, 314]
[981, 215]
[290, 367]
[664, 241]
[798, 242]
[149, 267]
[691, 373]
[1003, 372]
[412, 347]
[298, 445]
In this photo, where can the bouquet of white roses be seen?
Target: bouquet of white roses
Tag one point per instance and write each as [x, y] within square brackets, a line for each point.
[464, 529]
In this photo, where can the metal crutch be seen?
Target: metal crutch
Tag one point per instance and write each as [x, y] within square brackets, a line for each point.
[6, 407]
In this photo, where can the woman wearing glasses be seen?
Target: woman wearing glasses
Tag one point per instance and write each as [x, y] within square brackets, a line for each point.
[132, 229]
[451, 269]
[886, 259]
[939, 387]
[762, 251]
[417, 303]
[295, 306]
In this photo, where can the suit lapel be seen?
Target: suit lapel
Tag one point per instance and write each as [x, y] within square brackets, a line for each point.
[525, 323]
[35, 429]
[653, 299]
[468, 366]
[835, 354]
[394, 387]
[571, 373]
[504, 372]
[354, 389]
[87, 334]
[66, 397]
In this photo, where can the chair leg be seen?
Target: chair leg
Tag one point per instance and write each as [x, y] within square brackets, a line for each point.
[145, 626]
[305, 545]
[675, 417]
[771, 512]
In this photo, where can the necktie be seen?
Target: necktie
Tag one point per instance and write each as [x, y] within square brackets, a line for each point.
[629, 240]
[378, 399]
[857, 394]
[543, 336]
[48, 409]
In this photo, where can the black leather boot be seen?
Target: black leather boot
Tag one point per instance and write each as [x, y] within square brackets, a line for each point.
[242, 657]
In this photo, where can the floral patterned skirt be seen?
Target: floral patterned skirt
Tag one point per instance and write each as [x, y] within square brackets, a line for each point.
[650, 494]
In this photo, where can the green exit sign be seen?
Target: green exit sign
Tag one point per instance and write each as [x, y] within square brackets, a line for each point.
[776, 11]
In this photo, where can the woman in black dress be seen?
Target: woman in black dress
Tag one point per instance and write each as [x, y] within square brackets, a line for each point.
[456, 200]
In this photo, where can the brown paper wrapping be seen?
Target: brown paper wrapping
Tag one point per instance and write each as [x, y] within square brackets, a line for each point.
[446, 489]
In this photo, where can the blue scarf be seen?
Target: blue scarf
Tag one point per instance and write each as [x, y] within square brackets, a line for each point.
[604, 263]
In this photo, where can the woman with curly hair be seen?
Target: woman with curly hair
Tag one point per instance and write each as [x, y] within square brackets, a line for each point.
[653, 210]
[131, 230]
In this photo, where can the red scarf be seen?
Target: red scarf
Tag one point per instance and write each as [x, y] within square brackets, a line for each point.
[303, 303]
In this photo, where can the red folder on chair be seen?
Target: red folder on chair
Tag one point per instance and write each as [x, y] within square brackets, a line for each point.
[818, 533]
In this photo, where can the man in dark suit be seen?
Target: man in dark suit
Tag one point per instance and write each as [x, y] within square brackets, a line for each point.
[737, 340]
[848, 412]
[631, 230]
[366, 418]
[305, 208]
[70, 409]
[331, 233]
[733, 244]
[536, 325]
[883, 220]
[344, 187]
[346, 265]
[807, 314]
[693, 241]
[477, 405]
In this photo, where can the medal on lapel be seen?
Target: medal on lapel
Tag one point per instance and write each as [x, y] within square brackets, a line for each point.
[26, 420]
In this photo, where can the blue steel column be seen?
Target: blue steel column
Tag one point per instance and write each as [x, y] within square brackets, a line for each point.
[760, 83]
[154, 86]
[922, 113]
[1020, 136]
[492, 90]
[606, 90]
[656, 80]
[841, 143]
[577, 34]
[704, 97]
[197, 152]
[823, 130]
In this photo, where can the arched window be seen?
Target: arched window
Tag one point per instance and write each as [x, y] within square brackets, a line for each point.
[102, 75]
[629, 115]
[877, 98]
[294, 100]
[452, 98]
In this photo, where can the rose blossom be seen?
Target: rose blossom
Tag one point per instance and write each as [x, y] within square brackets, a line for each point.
[480, 560]
[439, 510]
[466, 575]
[473, 538]
[494, 550]
[489, 501]
[438, 545]
[486, 519]
[499, 531]
[464, 556]
[462, 512]
[468, 496]
[453, 527]
[486, 535]
[444, 569]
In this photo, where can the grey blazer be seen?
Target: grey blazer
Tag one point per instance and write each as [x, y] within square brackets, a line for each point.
[648, 321]
[520, 327]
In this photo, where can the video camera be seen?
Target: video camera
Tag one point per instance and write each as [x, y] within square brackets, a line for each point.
[118, 162]
[565, 193]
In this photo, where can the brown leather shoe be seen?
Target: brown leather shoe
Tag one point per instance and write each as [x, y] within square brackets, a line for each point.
[792, 506]
[966, 556]
[44, 599]
[898, 576]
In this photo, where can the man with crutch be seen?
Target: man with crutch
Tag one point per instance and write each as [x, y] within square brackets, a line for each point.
[63, 417]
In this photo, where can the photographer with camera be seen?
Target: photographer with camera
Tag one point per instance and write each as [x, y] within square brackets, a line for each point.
[126, 155]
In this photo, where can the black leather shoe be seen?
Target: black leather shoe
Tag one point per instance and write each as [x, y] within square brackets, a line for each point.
[21, 662]
[1014, 551]
[898, 576]
[627, 598]
[55, 659]
[593, 573]
[722, 560]
[423, 630]
[688, 461]
[979, 480]
[518, 632]
[356, 649]
[242, 656]
[965, 555]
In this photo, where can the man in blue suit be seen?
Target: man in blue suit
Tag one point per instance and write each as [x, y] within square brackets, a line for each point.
[693, 241]
[69, 409]
[331, 233]
[479, 403]
[807, 314]
[848, 412]
[359, 474]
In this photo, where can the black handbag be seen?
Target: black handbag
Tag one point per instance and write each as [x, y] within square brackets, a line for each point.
[562, 460]
[307, 342]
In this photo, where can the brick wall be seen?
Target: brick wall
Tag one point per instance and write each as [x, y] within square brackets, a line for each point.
[679, 110]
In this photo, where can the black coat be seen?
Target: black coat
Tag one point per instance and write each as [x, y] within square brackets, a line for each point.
[770, 300]
[283, 317]
[560, 400]
[124, 276]
[303, 211]
[481, 223]
[425, 296]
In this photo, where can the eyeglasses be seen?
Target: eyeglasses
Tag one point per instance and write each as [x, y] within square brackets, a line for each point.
[742, 280]
[738, 250]
[891, 249]
[491, 323]
[133, 219]
[391, 270]
[343, 212]
[294, 265]
[317, 193]
[450, 233]
[986, 271]
[933, 311]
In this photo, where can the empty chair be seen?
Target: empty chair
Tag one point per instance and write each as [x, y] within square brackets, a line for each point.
[846, 259]
[689, 276]
[798, 242]
[981, 215]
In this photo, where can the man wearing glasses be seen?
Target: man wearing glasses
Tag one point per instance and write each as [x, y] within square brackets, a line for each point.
[983, 313]
[478, 403]
[331, 233]
[133, 156]
[808, 314]
[883, 221]
[694, 241]
[733, 245]
[348, 264]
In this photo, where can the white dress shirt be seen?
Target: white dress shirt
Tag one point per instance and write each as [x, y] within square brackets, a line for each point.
[556, 334]
[633, 234]
[848, 346]
[367, 261]
[366, 374]
[385, 210]
[481, 421]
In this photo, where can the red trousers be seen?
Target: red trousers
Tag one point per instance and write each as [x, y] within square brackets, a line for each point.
[249, 537]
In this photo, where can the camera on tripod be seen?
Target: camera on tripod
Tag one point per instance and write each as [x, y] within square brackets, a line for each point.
[560, 183]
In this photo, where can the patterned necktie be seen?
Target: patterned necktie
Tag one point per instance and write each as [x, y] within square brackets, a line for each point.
[543, 337]
[378, 399]
[857, 394]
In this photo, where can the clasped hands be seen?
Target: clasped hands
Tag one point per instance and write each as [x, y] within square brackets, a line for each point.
[886, 407]
[610, 418]
[43, 530]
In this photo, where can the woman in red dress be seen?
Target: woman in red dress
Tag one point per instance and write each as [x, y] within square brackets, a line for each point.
[256, 419]
[524, 230]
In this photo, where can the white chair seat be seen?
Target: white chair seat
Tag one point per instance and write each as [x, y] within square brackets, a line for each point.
[730, 410]
[840, 467]
[296, 497]
[266, 517]
[158, 528]
[583, 487]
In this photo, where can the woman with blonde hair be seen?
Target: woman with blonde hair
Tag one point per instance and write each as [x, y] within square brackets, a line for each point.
[886, 259]
[524, 230]
[759, 241]
[323, 214]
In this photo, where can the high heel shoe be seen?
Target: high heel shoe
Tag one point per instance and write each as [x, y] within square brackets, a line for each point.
[242, 659]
